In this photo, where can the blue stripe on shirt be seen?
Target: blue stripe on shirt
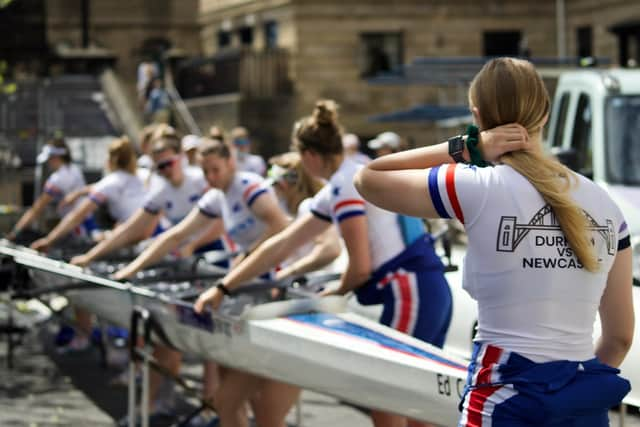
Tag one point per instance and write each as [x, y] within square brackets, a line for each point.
[624, 243]
[435, 193]
[349, 214]
[321, 216]
[254, 196]
[151, 210]
[208, 214]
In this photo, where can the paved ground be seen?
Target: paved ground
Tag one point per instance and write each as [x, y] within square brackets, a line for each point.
[48, 389]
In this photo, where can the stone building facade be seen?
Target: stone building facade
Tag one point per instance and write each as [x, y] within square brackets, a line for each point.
[282, 55]
[333, 44]
[127, 30]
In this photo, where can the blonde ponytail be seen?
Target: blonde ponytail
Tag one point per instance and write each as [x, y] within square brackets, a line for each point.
[521, 97]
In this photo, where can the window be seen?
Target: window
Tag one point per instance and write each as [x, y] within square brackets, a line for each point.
[246, 36]
[562, 119]
[581, 137]
[584, 37]
[380, 53]
[502, 43]
[271, 34]
[224, 38]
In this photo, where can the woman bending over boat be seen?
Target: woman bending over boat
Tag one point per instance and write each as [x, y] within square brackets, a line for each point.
[245, 205]
[405, 276]
[64, 179]
[171, 197]
[121, 191]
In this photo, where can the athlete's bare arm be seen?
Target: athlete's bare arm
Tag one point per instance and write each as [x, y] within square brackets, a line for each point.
[379, 181]
[169, 240]
[129, 232]
[616, 312]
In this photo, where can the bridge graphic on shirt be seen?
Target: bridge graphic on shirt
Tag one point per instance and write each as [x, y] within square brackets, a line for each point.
[511, 234]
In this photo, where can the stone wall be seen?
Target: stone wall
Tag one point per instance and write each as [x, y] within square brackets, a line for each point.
[324, 38]
[327, 62]
[123, 26]
[600, 15]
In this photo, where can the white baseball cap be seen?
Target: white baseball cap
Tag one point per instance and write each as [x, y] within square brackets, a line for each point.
[189, 142]
[389, 139]
[350, 140]
[48, 151]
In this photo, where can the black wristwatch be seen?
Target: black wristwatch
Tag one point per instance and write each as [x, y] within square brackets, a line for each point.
[456, 148]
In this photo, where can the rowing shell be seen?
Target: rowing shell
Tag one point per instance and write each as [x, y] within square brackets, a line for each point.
[317, 345]
[110, 301]
[313, 343]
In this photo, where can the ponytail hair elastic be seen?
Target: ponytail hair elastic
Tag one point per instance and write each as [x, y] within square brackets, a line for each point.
[473, 134]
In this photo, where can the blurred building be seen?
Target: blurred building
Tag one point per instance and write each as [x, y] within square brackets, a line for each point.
[377, 56]
[263, 63]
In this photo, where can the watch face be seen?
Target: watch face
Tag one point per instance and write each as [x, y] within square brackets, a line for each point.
[456, 148]
[456, 144]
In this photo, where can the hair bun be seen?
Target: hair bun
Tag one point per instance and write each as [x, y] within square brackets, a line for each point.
[326, 113]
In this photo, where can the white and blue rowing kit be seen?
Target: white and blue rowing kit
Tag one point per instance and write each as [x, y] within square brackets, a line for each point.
[533, 364]
[407, 278]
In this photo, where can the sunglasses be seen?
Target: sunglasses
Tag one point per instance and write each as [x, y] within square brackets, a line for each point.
[164, 164]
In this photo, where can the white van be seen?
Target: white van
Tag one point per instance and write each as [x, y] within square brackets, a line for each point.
[594, 129]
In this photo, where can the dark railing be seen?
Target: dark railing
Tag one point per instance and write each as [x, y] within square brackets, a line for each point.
[71, 104]
[253, 74]
[461, 70]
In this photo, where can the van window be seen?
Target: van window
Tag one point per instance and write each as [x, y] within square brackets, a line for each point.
[558, 137]
[581, 137]
[622, 127]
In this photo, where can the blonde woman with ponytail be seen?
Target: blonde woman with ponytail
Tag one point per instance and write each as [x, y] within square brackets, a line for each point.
[548, 250]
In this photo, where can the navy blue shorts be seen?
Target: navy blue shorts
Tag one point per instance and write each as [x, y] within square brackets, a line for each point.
[414, 292]
[506, 389]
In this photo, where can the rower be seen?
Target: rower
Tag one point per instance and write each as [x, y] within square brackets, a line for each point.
[171, 197]
[250, 212]
[64, 179]
[121, 192]
[383, 268]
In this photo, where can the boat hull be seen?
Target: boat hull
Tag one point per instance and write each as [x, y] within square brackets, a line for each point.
[317, 345]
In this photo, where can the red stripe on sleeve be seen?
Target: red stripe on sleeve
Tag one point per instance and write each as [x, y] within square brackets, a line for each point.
[451, 192]
[348, 202]
[249, 189]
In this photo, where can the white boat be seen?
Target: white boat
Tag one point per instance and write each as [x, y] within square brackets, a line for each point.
[314, 343]
[112, 303]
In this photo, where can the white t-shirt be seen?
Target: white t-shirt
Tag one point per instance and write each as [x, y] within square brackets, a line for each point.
[303, 208]
[145, 161]
[234, 207]
[339, 200]
[533, 295]
[359, 157]
[176, 202]
[251, 163]
[65, 180]
[123, 193]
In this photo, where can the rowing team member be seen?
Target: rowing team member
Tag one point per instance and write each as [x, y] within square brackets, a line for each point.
[406, 277]
[534, 361]
[64, 179]
[171, 198]
[248, 210]
[121, 191]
